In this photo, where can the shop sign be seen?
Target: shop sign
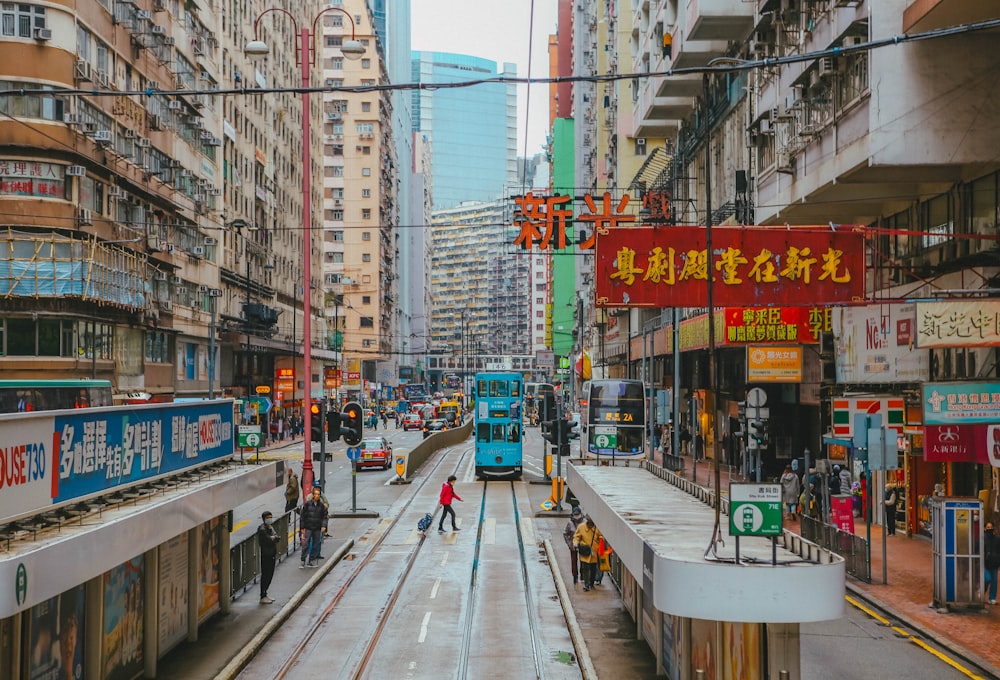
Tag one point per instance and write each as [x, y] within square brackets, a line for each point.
[875, 344]
[958, 323]
[751, 266]
[962, 444]
[965, 402]
[890, 408]
[774, 364]
[801, 325]
[29, 178]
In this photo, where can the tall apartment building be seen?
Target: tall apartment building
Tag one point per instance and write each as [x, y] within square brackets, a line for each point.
[475, 272]
[472, 130]
[360, 209]
[143, 217]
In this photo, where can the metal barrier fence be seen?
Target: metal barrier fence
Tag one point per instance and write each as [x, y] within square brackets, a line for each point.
[244, 557]
[852, 548]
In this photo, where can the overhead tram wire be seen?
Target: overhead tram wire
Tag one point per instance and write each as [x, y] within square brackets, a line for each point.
[742, 65]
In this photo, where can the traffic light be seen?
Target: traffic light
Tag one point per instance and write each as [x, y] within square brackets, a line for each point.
[762, 432]
[548, 407]
[550, 430]
[315, 424]
[352, 424]
[332, 426]
[758, 432]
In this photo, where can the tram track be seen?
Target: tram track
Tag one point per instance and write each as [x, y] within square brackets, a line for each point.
[301, 647]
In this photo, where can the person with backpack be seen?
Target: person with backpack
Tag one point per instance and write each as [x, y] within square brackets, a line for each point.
[313, 514]
[575, 520]
[447, 495]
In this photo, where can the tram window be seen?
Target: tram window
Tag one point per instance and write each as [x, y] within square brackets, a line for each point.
[513, 433]
[515, 388]
[498, 388]
[498, 432]
[483, 432]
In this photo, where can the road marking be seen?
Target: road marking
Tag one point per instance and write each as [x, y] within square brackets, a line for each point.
[489, 536]
[434, 589]
[239, 525]
[423, 627]
[918, 642]
[444, 559]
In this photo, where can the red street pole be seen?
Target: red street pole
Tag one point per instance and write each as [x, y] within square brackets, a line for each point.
[305, 59]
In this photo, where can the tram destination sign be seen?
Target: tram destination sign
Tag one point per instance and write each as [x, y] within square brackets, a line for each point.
[754, 509]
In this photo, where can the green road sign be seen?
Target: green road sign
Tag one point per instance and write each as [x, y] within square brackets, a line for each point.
[248, 437]
[755, 510]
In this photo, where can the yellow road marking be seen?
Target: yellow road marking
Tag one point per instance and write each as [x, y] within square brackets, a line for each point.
[920, 643]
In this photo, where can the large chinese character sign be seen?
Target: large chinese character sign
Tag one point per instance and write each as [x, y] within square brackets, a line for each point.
[751, 266]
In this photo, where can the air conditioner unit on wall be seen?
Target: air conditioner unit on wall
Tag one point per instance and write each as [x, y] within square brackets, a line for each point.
[176, 279]
[76, 171]
[84, 217]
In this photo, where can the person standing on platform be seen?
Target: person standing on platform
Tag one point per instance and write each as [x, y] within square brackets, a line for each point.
[447, 495]
[313, 515]
[267, 540]
[575, 520]
[291, 491]
[586, 540]
[991, 560]
[789, 491]
[890, 509]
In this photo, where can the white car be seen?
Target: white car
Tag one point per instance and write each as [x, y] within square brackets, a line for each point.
[576, 425]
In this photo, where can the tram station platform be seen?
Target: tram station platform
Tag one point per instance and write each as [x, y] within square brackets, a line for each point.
[682, 578]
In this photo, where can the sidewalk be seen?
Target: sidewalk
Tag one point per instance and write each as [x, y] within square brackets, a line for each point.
[906, 598]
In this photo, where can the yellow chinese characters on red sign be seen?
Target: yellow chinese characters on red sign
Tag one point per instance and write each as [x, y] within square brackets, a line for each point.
[750, 266]
[803, 325]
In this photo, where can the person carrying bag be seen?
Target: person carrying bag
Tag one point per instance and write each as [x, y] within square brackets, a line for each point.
[585, 538]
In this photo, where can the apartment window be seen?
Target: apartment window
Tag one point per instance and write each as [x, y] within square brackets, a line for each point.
[540, 287]
[362, 128]
[366, 172]
[334, 40]
[366, 106]
[936, 218]
[366, 151]
[366, 236]
[539, 327]
[366, 193]
[366, 213]
[337, 258]
[333, 19]
[337, 171]
[367, 322]
[366, 257]
[366, 299]
[20, 20]
[368, 82]
[338, 192]
[338, 235]
[366, 63]
[540, 314]
[337, 64]
[337, 215]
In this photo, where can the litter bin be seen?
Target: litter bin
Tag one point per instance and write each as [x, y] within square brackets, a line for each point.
[957, 525]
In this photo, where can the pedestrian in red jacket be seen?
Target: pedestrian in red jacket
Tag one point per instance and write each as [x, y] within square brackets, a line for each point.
[447, 494]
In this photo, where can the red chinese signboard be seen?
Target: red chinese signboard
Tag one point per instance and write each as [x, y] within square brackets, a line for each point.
[751, 266]
[802, 325]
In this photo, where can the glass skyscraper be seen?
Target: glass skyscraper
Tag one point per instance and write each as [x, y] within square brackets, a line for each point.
[472, 130]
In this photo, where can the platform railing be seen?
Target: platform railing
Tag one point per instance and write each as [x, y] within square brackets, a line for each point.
[244, 557]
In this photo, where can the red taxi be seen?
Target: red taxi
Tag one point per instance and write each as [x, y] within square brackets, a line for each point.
[375, 452]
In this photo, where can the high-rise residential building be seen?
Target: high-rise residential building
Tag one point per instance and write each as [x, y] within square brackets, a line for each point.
[472, 130]
[158, 236]
[477, 272]
[360, 210]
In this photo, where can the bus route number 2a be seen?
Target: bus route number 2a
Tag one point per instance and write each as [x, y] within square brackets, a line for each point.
[618, 417]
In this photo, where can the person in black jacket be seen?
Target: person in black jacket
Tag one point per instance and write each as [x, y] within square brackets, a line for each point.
[313, 515]
[991, 560]
[267, 539]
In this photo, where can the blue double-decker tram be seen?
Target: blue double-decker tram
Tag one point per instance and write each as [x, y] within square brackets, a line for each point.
[498, 425]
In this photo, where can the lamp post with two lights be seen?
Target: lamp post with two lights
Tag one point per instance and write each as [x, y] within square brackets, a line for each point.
[305, 58]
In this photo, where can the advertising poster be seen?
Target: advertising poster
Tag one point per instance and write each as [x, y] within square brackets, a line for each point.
[57, 638]
[673, 658]
[208, 569]
[173, 595]
[741, 642]
[875, 344]
[123, 630]
[704, 648]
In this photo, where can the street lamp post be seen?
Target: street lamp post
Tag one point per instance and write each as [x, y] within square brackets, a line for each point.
[305, 58]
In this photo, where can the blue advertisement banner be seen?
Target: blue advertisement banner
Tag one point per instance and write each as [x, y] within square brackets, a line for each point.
[965, 402]
[57, 456]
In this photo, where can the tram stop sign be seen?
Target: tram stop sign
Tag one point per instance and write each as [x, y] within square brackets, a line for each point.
[248, 436]
[754, 509]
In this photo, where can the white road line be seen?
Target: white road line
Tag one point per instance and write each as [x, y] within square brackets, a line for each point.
[434, 589]
[444, 559]
[423, 627]
[489, 536]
